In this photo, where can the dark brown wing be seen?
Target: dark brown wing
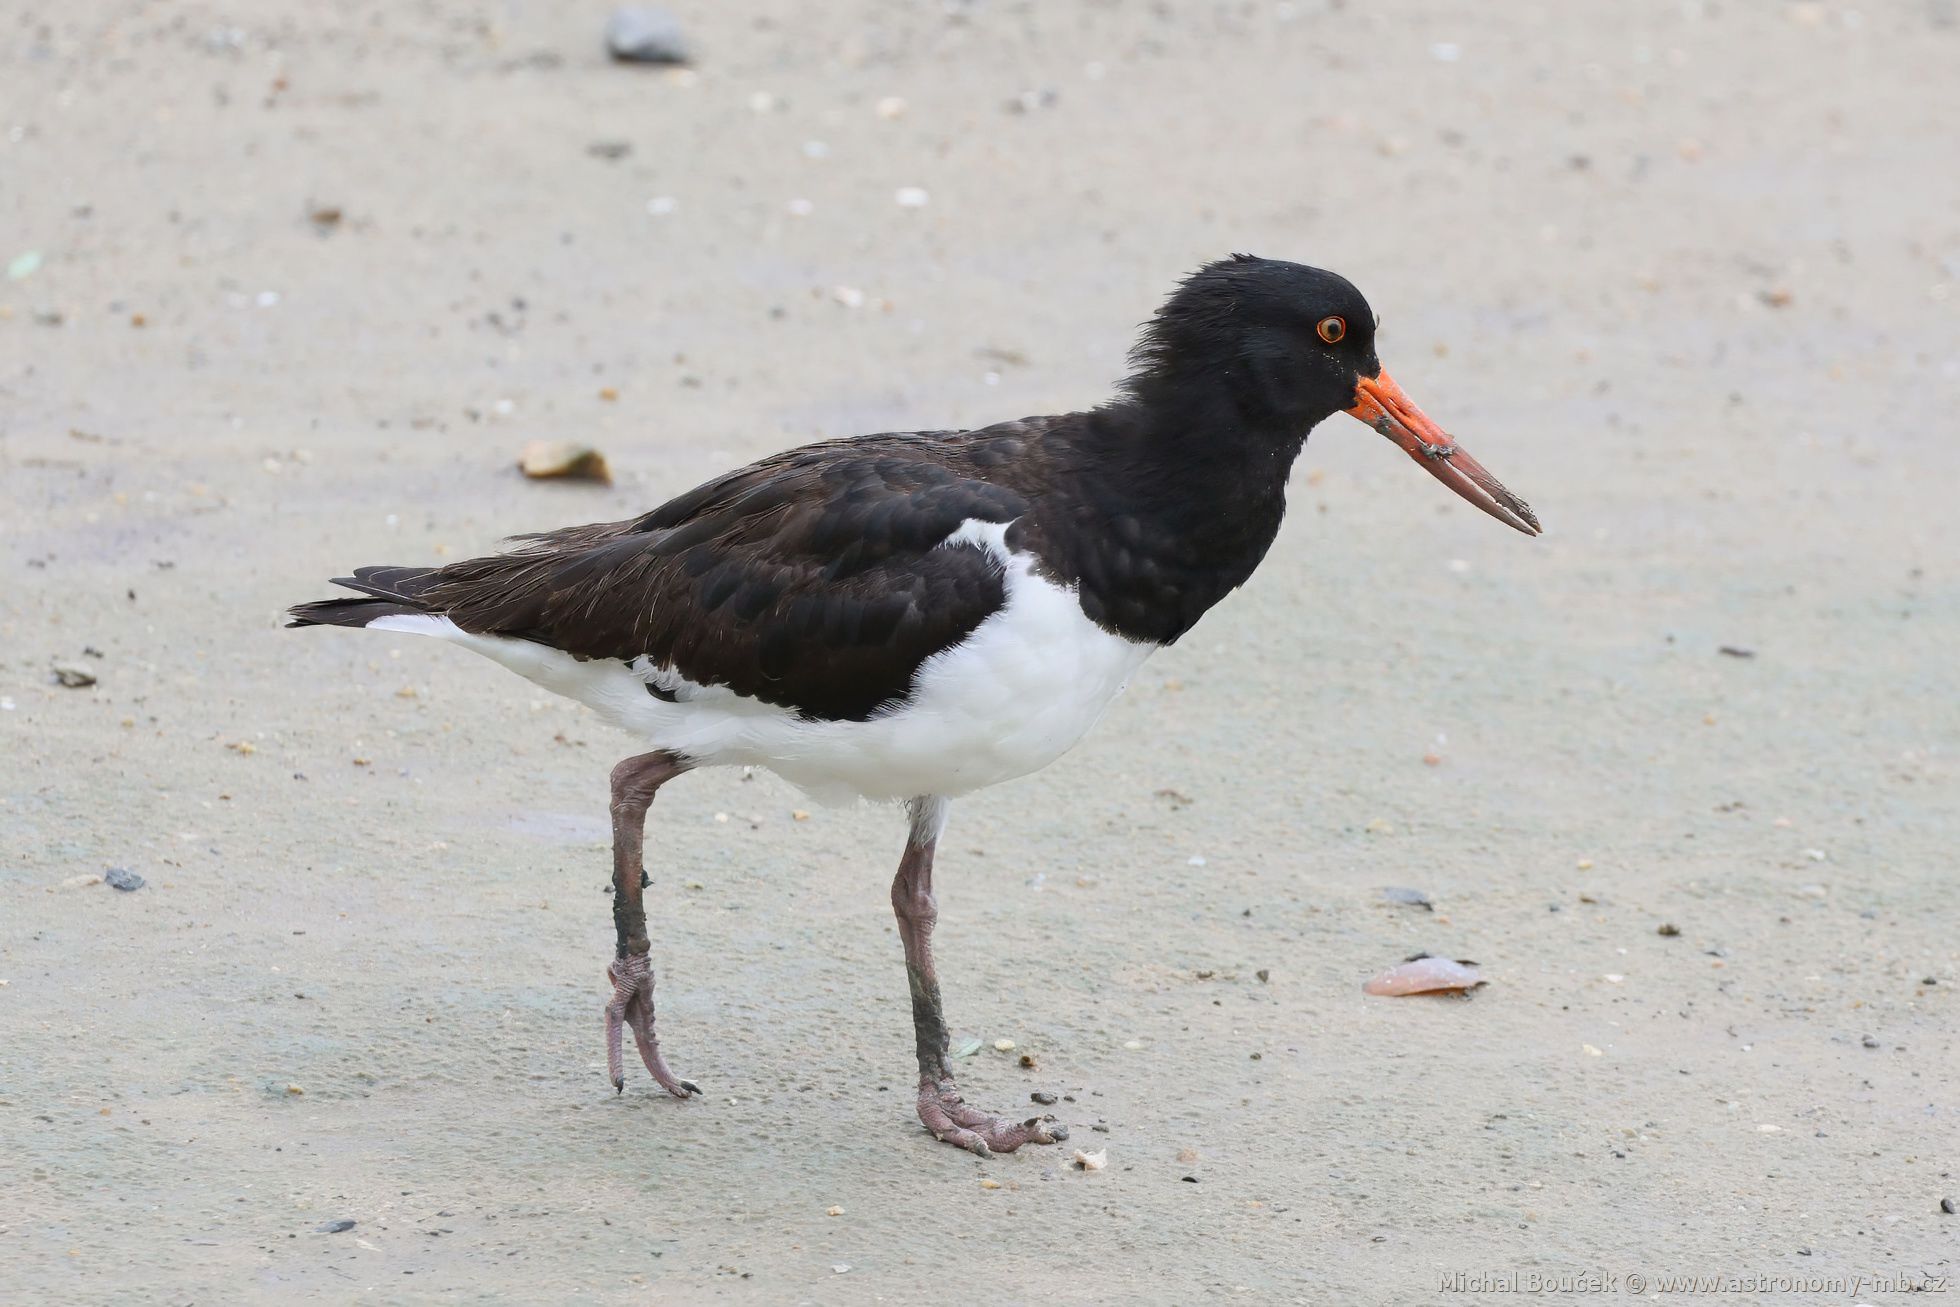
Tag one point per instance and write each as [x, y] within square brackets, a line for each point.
[814, 580]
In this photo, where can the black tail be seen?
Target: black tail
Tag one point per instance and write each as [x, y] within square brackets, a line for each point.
[388, 591]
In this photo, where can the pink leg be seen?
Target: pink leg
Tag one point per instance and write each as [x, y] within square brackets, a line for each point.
[941, 1108]
[633, 785]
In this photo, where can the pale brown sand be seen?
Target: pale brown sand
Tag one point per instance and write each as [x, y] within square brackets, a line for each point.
[1682, 275]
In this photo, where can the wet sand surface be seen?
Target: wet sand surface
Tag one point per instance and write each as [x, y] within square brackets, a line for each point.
[308, 277]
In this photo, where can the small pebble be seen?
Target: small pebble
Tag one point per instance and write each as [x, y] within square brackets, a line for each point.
[543, 459]
[1667, 930]
[1003, 1046]
[336, 1227]
[73, 676]
[911, 197]
[1869, 1042]
[1095, 1161]
[1043, 1097]
[1946, 1205]
[124, 879]
[833, 1211]
[646, 34]
[1414, 898]
[990, 1184]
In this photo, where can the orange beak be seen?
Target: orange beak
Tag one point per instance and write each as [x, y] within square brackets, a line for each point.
[1380, 403]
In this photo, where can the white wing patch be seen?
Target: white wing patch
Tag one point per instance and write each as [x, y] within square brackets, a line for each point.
[988, 537]
[669, 681]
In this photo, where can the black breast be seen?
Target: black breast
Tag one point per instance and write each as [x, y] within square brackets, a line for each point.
[1151, 532]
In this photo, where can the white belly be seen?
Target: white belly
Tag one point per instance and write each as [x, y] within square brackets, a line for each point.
[1008, 700]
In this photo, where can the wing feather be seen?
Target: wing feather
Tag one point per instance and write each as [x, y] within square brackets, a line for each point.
[813, 580]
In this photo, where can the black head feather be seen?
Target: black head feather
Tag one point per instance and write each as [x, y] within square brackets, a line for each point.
[1243, 333]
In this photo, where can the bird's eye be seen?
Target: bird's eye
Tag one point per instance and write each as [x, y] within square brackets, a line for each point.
[1332, 329]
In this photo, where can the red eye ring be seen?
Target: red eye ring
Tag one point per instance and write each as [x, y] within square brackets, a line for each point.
[1331, 330]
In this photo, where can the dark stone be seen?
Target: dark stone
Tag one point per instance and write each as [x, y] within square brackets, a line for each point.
[124, 879]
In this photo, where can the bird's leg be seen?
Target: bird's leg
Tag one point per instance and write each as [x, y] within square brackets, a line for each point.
[633, 785]
[941, 1108]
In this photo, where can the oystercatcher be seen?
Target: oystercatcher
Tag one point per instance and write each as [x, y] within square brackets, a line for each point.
[913, 616]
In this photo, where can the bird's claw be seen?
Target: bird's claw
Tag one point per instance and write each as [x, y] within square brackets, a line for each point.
[949, 1119]
[631, 1008]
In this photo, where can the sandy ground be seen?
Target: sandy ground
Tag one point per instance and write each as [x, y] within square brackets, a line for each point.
[1682, 274]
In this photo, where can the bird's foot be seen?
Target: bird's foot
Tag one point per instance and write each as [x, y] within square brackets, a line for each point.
[948, 1118]
[632, 1007]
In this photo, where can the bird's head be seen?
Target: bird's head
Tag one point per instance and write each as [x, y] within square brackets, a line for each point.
[1292, 345]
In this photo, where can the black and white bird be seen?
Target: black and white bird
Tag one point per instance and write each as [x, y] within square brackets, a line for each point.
[914, 616]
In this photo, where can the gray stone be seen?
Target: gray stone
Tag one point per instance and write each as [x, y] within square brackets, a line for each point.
[646, 34]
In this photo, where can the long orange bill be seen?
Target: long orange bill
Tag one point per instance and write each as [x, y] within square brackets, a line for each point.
[1380, 403]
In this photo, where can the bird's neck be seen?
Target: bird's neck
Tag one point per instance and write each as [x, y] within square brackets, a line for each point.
[1188, 497]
